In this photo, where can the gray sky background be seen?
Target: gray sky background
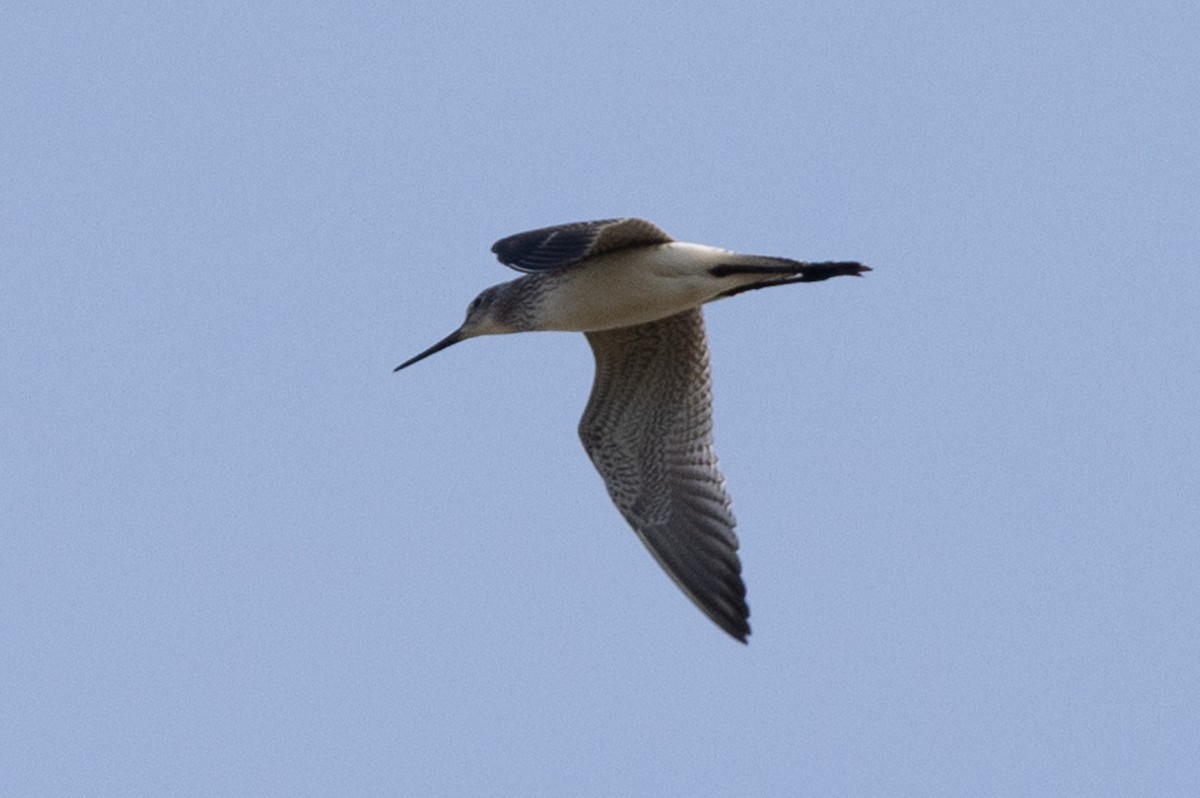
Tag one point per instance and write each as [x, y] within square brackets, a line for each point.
[239, 556]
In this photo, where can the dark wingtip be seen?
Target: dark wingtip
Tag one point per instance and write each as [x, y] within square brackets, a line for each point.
[736, 626]
[740, 633]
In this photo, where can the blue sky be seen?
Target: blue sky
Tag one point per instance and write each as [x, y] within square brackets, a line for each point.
[240, 556]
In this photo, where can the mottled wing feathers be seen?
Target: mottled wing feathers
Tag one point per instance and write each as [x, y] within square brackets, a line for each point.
[648, 430]
[552, 247]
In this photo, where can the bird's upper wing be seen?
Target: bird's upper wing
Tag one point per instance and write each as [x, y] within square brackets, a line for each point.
[648, 430]
[564, 244]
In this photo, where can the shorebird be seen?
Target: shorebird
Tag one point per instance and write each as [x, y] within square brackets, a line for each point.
[636, 293]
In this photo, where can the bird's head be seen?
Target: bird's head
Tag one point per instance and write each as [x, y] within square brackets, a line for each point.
[486, 315]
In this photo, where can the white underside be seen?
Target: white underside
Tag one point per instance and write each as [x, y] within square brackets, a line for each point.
[634, 287]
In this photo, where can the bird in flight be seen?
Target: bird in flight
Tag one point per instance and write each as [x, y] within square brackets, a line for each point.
[636, 293]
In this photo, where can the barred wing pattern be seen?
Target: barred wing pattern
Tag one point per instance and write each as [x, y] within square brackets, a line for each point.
[561, 245]
[648, 430]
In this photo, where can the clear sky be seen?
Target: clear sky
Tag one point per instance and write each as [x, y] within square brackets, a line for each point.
[240, 556]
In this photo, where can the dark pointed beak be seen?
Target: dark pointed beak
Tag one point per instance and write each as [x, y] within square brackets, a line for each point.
[449, 340]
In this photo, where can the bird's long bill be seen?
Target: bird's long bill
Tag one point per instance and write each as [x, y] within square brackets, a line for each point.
[449, 340]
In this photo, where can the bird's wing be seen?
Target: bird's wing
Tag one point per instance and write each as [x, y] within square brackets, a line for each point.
[552, 247]
[648, 430]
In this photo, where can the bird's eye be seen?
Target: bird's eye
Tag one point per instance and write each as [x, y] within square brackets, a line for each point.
[475, 303]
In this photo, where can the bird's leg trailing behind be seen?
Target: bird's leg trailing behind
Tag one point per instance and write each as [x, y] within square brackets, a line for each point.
[783, 271]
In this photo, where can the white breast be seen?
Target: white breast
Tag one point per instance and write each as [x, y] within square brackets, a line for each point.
[631, 287]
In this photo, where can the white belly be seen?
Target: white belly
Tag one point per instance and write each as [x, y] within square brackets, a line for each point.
[633, 287]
